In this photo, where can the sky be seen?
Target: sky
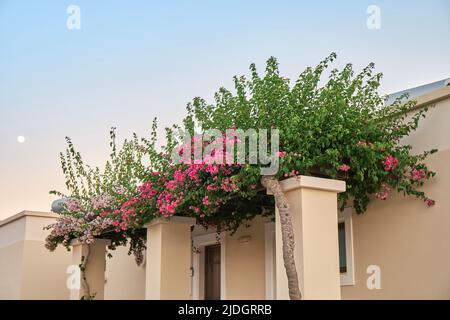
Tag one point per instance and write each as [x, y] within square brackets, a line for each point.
[131, 61]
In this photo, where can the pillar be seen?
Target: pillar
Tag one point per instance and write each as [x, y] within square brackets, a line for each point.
[95, 268]
[168, 260]
[313, 203]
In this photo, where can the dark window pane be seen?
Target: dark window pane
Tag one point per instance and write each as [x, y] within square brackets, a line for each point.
[342, 249]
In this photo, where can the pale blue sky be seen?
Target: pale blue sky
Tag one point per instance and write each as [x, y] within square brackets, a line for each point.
[134, 60]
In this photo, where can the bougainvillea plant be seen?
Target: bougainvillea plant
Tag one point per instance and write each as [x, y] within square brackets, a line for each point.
[337, 128]
[331, 123]
[117, 203]
[92, 191]
[201, 190]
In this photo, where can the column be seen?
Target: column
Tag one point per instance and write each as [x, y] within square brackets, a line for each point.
[313, 203]
[168, 260]
[94, 271]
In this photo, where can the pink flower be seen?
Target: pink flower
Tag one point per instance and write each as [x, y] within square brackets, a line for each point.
[172, 184]
[417, 174]
[72, 205]
[228, 186]
[344, 167]
[382, 195]
[178, 175]
[104, 214]
[430, 202]
[146, 190]
[123, 225]
[212, 169]
[192, 173]
[293, 173]
[390, 163]
[206, 201]
[280, 154]
[384, 192]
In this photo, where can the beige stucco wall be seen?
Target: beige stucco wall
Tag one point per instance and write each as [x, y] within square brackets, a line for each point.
[11, 271]
[434, 130]
[44, 273]
[124, 279]
[408, 241]
[27, 269]
[245, 262]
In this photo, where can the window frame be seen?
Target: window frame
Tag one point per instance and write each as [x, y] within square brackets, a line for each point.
[270, 256]
[345, 216]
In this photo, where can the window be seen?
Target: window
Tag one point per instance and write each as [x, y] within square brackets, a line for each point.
[346, 264]
[342, 249]
[345, 236]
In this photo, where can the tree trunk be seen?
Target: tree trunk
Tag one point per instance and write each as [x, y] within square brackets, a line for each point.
[287, 234]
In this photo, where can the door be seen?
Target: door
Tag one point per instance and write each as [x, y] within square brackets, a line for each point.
[212, 272]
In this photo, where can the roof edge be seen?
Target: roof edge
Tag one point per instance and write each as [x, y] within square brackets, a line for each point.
[27, 213]
[431, 97]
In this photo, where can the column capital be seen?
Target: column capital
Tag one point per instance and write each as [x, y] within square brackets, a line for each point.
[310, 182]
[172, 220]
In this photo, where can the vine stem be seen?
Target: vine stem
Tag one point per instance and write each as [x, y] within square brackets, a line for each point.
[86, 288]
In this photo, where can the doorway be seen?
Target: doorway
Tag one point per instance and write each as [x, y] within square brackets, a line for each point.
[212, 272]
[208, 267]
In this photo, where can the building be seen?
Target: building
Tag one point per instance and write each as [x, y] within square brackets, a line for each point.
[398, 249]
